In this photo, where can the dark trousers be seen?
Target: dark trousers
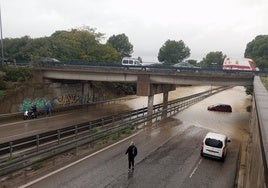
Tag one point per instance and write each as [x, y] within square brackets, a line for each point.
[130, 162]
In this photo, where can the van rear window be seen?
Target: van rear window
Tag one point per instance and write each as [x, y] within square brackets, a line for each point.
[213, 143]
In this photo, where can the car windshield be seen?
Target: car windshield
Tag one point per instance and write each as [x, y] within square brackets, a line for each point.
[213, 143]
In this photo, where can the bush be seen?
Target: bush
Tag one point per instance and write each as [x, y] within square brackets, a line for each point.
[17, 74]
[3, 85]
[127, 131]
[249, 90]
[249, 108]
[116, 136]
[265, 82]
[2, 93]
[96, 129]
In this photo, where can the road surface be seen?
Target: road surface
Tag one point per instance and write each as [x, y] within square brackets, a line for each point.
[168, 154]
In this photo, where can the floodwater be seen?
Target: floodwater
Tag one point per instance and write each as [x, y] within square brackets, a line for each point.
[180, 92]
[234, 125]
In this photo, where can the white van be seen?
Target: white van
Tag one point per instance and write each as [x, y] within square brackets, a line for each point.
[215, 145]
[128, 61]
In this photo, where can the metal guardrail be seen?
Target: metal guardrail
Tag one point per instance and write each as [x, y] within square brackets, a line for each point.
[24, 152]
[151, 68]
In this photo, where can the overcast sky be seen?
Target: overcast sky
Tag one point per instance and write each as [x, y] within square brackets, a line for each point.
[203, 25]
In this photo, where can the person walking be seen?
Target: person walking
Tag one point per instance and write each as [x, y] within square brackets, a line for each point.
[132, 151]
[34, 110]
[48, 110]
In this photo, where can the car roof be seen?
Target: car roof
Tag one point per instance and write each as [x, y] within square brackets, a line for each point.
[216, 136]
[221, 104]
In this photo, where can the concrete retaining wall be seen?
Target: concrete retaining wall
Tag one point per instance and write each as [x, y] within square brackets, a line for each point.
[57, 93]
[257, 151]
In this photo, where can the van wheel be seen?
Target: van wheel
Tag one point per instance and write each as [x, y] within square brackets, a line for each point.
[201, 153]
[223, 158]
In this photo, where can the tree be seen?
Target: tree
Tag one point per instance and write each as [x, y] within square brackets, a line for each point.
[81, 44]
[121, 44]
[192, 61]
[140, 59]
[173, 52]
[257, 50]
[213, 59]
[249, 90]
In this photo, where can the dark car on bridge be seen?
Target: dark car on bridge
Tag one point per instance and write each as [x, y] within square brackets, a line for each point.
[220, 107]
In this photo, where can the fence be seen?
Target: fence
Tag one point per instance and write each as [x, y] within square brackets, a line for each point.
[18, 154]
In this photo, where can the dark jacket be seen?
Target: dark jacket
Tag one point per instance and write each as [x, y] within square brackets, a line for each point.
[132, 151]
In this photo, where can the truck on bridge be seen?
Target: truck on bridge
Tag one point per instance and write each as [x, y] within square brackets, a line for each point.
[239, 64]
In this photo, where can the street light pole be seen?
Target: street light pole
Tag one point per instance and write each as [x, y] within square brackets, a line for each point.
[2, 45]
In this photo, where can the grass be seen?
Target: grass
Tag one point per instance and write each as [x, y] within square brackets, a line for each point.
[2, 93]
[265, 82]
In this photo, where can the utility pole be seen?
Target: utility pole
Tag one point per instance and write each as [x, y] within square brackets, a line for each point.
[2, 45]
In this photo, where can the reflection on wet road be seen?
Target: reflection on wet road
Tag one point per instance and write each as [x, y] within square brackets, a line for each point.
[169, 153]
[23, 128]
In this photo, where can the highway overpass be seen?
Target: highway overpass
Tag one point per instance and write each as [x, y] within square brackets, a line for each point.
[151, 75]
[149, 80]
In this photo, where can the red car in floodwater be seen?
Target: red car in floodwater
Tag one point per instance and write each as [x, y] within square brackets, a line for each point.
[220, 107]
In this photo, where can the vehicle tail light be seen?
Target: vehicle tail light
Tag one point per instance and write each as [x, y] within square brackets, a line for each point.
[224, 150]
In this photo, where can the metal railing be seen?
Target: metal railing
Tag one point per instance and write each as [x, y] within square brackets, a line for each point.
[21, 153]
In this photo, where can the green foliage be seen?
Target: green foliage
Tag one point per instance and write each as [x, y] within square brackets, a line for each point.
[249, 108]
[17, 74]
[36, 163]
[257, 50]
[82, 43]
[140, 59]
[213, 59]
[96, 129]
[2, 93]
[3, 85]
[115, 136]
[121, 44]
[249, 90]
[123, 88]
[173, 52]
[265, 81]
[192, 61]
[126, 131]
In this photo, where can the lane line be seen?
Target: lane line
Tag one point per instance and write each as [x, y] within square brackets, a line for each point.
[76, 162]
[196, 167]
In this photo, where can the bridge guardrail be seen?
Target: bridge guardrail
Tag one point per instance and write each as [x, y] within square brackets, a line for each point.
[27, 151]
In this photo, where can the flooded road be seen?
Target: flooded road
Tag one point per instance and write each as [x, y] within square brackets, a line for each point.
[198, 115]
[234, 125]
[169, 154]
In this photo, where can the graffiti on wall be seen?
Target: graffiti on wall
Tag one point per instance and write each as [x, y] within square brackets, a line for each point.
[66, 100]
[63, 100]
[27, 103]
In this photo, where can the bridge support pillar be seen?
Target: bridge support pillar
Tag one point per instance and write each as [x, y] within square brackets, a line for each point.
[86, 91]
[150, 109]
[146, 88]
[165, 104]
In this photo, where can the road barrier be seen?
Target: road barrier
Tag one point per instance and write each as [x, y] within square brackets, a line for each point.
[22, 153]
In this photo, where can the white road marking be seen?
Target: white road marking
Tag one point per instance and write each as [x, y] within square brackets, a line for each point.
[76, 162]
[196, 168]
